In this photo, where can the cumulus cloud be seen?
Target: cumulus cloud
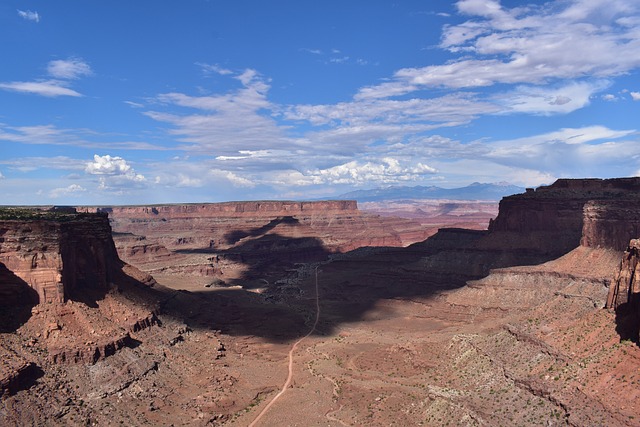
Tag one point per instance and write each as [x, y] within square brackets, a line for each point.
[29, 15]
[66, 191]
[115, 173]
[387, 170]
[635, 96]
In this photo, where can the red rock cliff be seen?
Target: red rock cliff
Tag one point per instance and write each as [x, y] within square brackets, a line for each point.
[589, 212]
[236, 209]
[55, 255]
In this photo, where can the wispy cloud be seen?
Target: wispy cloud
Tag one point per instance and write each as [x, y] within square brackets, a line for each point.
[224, 124]
[214, 69]
[635, 96]
[528, 45]
[62, 73]
[56, 193]
[52, 135]
[50, 88]
[28, 164]
[29, 15]
[68, 69]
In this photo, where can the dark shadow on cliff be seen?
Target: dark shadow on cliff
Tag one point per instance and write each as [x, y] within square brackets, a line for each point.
[628, 321]
[350, 285]
[17, 299]
[235, 236]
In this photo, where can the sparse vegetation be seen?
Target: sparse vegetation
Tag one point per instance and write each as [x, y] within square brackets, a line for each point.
[34, 214]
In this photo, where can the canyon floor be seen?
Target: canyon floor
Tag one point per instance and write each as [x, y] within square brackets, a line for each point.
[524, 346]
[397, 343]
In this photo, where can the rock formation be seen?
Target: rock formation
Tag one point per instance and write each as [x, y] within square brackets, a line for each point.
[592, 212]
[50, 259]
[624, 294]
[57, 254]
[243, 239]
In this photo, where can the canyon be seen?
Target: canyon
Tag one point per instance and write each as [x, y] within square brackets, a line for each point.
[187, 316]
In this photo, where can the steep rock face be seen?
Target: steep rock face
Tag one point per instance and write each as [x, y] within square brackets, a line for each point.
[624, 294]
[244, 238]
[55, 257]
[611, 223]
[214, 210]
[541, 225]
[592, 212]
[626, 286]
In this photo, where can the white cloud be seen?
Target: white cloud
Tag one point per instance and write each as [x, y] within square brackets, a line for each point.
[29, 164]
[50, 88]
[313, 51]
[107, 165]
[226, 123]
[1, 176]
[609, 97]
[549, 100]
[635, 96]
[233, 178]
[214, 68]
[66, 191]
[69, 69]
[115, 173]
[51, 135]
[29, 15]
[528, 45]
[387, 170]
[61, 71]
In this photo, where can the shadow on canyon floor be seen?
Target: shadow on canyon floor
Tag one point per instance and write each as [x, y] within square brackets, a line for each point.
[349, 287]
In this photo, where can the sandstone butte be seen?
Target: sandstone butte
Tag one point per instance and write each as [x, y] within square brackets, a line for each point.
[86, 337]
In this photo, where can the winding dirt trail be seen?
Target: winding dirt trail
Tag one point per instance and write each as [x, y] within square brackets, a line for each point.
[293, 349]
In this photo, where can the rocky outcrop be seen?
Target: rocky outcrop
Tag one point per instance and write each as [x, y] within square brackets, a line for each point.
[541, 225]
[624, 294]
[626, 286]
[602, 213]
[55, 255]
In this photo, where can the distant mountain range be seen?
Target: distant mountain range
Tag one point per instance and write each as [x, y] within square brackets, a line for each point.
[475, 191]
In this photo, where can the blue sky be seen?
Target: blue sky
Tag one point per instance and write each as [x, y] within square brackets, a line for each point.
[131, 102]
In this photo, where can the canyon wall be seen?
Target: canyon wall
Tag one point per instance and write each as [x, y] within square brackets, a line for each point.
[594, 213]
[241, 239]
[50, 256]
[265, 208]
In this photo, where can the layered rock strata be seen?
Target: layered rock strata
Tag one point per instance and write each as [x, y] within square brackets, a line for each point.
[56, 254]
[242, 239]
[601, 213]
[545, 223]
